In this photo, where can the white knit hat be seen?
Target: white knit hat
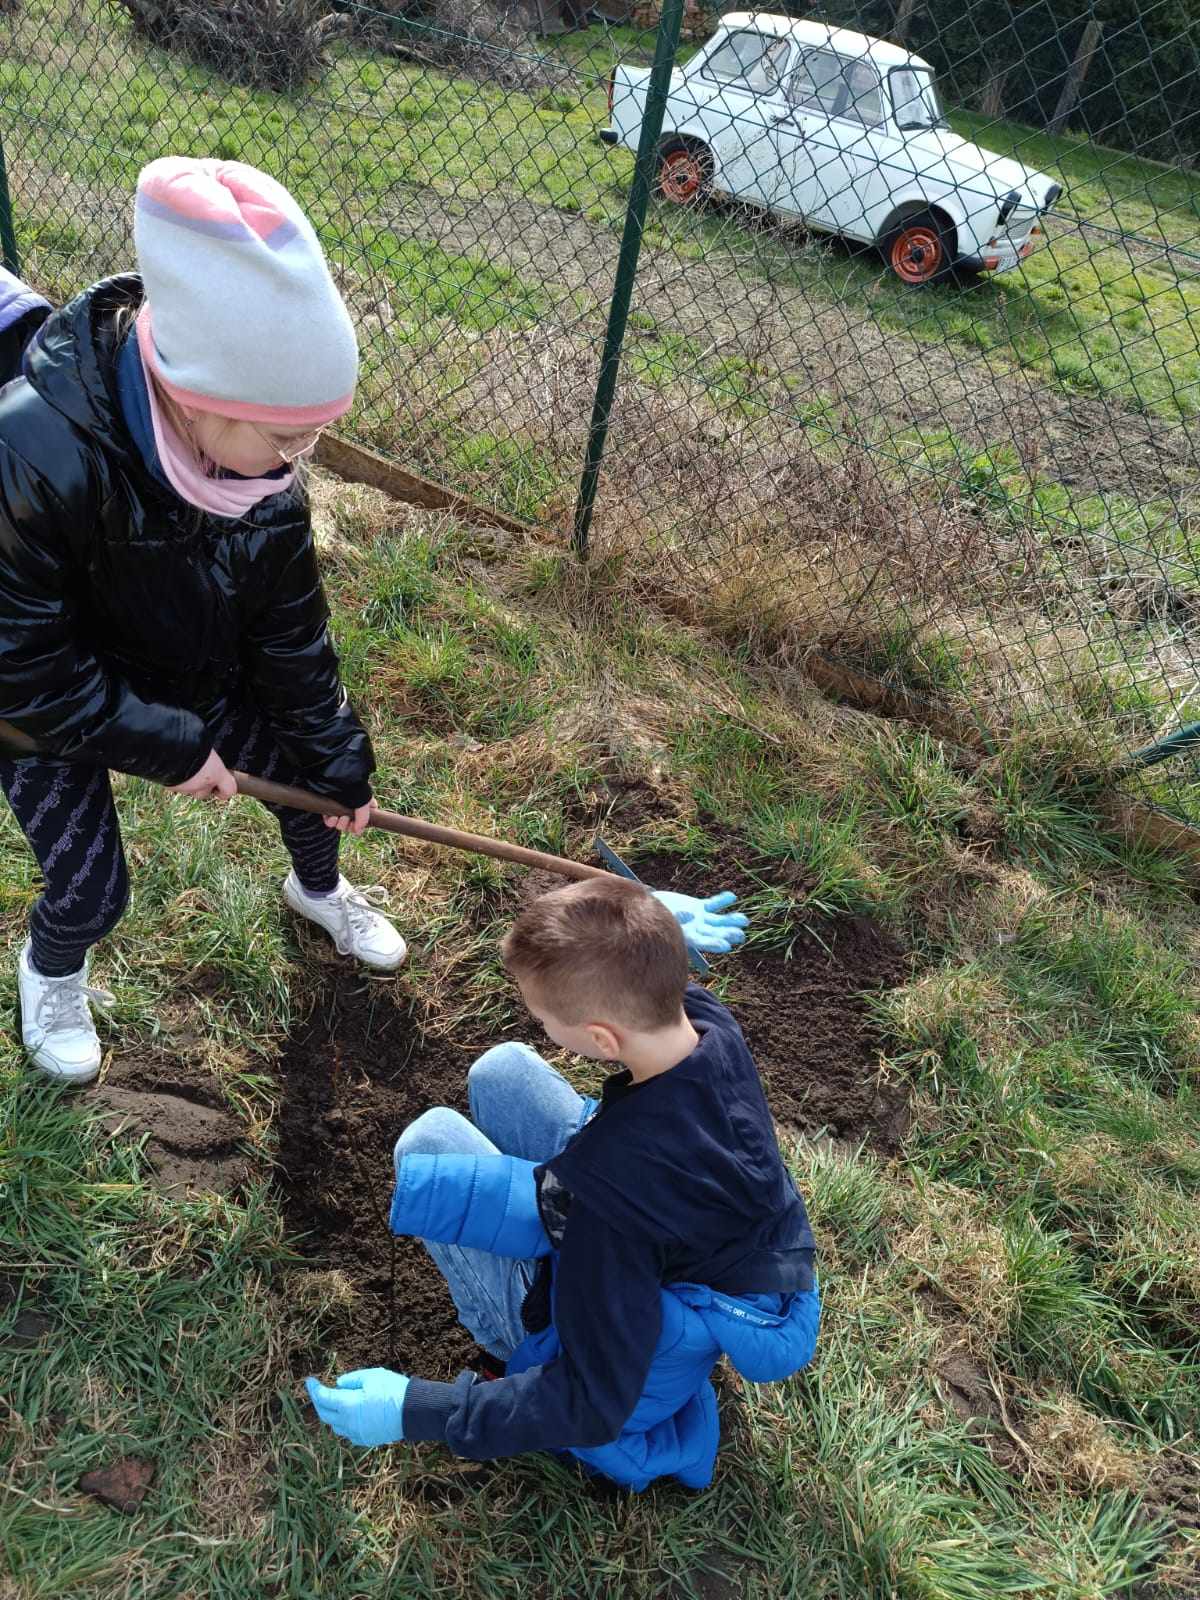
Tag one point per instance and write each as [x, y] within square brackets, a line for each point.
[241, 315]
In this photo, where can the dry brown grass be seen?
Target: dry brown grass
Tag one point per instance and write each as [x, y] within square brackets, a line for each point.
[1084, 1168]
[923, 1012]
[1076, 1447]
[962, 1257]
[768, 535]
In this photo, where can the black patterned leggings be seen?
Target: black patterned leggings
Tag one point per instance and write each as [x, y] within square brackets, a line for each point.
[66, 811]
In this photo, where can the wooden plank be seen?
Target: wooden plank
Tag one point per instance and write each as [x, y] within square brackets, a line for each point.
[904, 16]
[1137, 822]
[357, 464]
[1075, 76]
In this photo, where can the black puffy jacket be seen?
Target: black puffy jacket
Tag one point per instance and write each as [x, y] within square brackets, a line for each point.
[129, 621]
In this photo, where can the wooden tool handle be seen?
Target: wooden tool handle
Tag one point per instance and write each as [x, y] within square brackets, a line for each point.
[280, 794]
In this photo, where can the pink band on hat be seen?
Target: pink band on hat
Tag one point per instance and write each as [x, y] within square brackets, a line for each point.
[237, 410]
[216, 191]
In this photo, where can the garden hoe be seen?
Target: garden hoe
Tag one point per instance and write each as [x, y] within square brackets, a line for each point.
[279, 794]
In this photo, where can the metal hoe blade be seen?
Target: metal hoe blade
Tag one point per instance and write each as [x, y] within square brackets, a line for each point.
[613, 861]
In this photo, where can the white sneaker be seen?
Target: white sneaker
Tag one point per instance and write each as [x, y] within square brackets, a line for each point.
[350, 916]
[56, 1023]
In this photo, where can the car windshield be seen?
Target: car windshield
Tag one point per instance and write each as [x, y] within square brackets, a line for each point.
[915, 99]
[750, 60]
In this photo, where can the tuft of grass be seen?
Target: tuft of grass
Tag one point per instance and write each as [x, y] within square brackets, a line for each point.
[848, 1197]
[838, 876]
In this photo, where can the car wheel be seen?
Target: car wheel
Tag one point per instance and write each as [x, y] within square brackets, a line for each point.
[920, 250]
[684, 173]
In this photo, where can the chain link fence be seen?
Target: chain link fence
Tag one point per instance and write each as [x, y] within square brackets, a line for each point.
[884, 352]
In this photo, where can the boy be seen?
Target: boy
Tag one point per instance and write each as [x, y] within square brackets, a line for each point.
[606, 1252]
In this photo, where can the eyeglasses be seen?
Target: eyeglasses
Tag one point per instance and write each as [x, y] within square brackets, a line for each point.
[297, 446]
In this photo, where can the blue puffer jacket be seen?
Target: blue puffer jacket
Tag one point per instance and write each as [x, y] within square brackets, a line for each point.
[490, 1203]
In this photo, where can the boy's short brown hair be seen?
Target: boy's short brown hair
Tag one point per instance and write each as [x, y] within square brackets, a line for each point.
[602, 949]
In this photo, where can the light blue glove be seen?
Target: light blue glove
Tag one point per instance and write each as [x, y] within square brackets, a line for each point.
[367, 1407]
[706, 924]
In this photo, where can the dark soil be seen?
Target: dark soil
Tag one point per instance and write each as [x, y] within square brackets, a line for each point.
[352, 1076]
[358, 1070]
[1173, 1490]
[28, 1325]
[967, 1389]
[806, 1023]
[803, 1012]
[193, 1141]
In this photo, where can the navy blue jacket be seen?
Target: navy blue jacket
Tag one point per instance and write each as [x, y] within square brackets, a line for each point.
[676, 1183]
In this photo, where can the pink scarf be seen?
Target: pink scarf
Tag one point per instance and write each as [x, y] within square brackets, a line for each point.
[220, 497]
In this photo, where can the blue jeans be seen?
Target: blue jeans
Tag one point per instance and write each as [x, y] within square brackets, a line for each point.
[520, 1106]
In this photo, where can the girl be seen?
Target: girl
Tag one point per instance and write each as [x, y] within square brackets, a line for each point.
[160, 608]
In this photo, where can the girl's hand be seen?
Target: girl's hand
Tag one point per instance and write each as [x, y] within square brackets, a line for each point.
[214, 781]
[355, 824]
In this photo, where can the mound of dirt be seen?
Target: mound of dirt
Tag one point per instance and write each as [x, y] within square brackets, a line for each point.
[804, 1014]
[193, 1141]
[806, 1023]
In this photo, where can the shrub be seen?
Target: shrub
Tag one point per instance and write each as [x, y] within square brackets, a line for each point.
[264, 44]
[488, 40]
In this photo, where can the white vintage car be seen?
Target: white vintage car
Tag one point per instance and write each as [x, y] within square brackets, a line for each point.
[842, 131]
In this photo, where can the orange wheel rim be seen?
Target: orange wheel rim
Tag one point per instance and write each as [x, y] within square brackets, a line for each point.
[682, 177]
[917, 254]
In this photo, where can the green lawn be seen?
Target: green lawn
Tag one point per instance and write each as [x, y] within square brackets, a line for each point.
[1082, 313]
[1006, 1394]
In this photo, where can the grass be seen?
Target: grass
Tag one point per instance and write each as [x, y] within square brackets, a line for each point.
[474, 229]
[1031, 1246]
[379, 140]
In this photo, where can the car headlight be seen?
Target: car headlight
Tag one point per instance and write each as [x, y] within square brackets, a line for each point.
[1008, 205]
[1052, 194]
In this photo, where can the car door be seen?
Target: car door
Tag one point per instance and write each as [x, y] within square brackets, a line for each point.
[825, 161]
[751, 70]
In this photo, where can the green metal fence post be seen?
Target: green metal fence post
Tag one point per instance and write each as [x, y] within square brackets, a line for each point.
[8, 233]
[665, 48]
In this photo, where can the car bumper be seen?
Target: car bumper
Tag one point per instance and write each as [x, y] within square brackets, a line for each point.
[609, 136]
[1002, 257]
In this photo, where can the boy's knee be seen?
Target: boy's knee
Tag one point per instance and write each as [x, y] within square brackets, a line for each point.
[436, 1132]
[500, 1071]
